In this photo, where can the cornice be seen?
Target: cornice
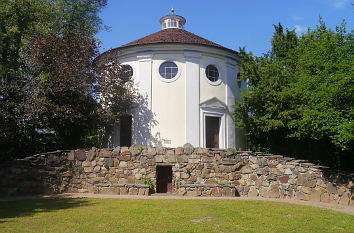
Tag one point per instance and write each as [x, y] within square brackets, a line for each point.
[142, 57]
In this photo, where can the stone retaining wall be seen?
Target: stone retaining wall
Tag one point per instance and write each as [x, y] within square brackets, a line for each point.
[195, 172]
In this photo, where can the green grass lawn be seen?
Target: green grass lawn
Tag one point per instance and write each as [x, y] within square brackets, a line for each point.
[129, 215]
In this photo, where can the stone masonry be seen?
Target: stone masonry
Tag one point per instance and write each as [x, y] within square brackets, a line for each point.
[195, 172]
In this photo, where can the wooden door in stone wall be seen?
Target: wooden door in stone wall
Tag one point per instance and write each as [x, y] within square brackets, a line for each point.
[164, 179]
[212, 128]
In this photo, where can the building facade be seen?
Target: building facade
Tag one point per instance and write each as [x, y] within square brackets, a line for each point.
[187, 87]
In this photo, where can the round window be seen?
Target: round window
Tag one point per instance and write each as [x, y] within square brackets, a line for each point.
[212, 73]
[127, 71]
[168, 70]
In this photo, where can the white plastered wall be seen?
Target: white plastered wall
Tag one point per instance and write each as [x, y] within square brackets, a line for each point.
[168, 103]
[168, 99]
[209, 90]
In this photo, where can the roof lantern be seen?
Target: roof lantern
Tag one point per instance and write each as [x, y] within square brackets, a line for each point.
[172, 21]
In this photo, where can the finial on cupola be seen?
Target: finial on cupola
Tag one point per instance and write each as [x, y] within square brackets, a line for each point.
[173, 11]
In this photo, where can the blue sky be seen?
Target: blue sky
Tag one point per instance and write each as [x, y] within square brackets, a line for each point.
[231, 23]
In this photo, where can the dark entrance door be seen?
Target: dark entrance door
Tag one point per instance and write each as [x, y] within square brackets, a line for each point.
[164, 179]
[126, 131]
[212, 127]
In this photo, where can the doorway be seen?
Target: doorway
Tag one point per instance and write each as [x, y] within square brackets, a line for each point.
[212, 131]
[126, 131]
[164, 179]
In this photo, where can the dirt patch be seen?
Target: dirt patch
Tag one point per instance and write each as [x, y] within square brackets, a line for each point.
[206, 219]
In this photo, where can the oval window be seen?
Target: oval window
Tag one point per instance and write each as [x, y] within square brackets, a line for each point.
[168, 70]
[212, 73]
[127, 71]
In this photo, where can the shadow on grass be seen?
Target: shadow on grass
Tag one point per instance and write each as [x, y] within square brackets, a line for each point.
[24, 208]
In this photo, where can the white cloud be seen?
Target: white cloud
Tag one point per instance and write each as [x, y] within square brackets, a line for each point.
[300, 29]
[297, 18]
[339, 4]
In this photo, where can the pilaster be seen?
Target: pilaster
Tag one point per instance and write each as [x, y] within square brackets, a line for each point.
[230, 101]
[192, 98]
[144, 113]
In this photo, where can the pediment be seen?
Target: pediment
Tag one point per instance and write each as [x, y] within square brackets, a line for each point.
[213, 103]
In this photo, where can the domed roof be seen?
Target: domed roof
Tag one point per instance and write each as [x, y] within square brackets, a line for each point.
[174, 36]
[172, 33]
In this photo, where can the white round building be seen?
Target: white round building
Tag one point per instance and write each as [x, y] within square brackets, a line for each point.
[187, 85]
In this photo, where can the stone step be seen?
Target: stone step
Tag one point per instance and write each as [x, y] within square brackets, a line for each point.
[164, 194]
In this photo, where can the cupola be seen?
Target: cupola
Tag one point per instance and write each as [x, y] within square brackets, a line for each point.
[172, 21]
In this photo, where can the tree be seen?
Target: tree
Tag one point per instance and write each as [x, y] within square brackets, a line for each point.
[73, 97]
[71, 15]
[62, 87]
[116, 93]
[17, 21]
[300, 95]
[26, 84]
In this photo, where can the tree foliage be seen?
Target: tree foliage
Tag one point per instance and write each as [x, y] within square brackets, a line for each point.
[116, 93]
[49, 87]
[63, 85]
[17, 22]
[71, 15]
[300, 96]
